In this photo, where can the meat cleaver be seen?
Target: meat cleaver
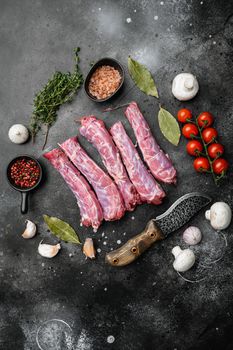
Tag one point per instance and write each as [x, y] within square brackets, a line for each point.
[157, 229]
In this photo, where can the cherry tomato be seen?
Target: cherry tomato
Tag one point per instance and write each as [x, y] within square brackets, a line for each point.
[194, 147]
[215, 150]
[201, 164]
[220, 166]
[189, 131]
[184, 115]
[209, 135]
[205, 119]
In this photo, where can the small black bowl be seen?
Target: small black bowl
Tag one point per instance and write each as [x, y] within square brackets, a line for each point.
[104, 62]
[24, 191]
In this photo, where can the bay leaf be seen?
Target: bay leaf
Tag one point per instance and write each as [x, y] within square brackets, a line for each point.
[142, 78]
[169, 126]
[61, 229]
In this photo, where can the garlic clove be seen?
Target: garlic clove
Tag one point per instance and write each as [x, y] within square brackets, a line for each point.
[89, 249]
[30, 230]
[192, 235]
[48, 250]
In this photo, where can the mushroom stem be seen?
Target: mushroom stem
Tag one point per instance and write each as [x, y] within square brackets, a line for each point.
[176, 251]
[207, 214]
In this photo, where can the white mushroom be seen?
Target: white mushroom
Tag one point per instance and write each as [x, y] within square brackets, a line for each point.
[18, 133]
[30, 230]
[219, 215]
[184, 259]
[48, 250]
[185, 86]
[192, 235]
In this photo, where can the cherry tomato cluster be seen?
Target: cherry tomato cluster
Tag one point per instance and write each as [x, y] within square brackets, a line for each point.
[203, 142]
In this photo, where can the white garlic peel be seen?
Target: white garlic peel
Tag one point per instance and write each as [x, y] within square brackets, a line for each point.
[30, 230]
[184, 259]
[185, 86]
[48, 250]
[219, 215]
[18, 133]
[192, 235]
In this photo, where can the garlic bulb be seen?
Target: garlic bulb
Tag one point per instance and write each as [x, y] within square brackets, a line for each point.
[30, 230]
[184, 259]
[185, 86]
[18, 133]
[192, 235]
[88, 248]
[219, 215]
[48, 250]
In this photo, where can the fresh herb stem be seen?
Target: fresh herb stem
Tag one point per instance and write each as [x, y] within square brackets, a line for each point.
[60, 89]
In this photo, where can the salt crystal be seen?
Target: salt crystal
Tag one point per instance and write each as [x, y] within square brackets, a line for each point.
[133, 217]
[118, 241]
[156, 18]
[128, 20]
[110, 339]
[105, 289]
[104, 243]
[161, 3]
[98, 250]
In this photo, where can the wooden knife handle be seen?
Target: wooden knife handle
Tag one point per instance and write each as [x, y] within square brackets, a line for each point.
[134, 247]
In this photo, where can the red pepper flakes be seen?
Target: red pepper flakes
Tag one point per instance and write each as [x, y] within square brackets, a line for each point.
[24, 173]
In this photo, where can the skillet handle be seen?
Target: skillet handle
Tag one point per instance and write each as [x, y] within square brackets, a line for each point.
[24, 202]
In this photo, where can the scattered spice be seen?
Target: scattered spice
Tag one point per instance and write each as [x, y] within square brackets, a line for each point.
[24, 173]
[104, 82]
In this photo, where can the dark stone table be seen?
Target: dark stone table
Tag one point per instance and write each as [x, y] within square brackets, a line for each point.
[145, 306]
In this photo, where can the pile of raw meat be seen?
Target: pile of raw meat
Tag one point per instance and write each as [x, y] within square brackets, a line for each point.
[127, 182]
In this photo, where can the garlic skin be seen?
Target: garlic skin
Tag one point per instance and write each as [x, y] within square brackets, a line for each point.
[30, 230]
[185, 86]
[48, 250]
[192, 235]
[219, 215]
[184, 259]
[88, 248]
[18, 133]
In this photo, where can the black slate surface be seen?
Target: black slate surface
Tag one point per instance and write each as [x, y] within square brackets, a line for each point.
[146, 305]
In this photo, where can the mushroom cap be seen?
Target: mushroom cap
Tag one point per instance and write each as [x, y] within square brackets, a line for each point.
[185, 86]
[220, 215]
[184, 261]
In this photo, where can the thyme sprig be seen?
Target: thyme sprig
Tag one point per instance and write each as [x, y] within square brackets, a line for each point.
[60, 89]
